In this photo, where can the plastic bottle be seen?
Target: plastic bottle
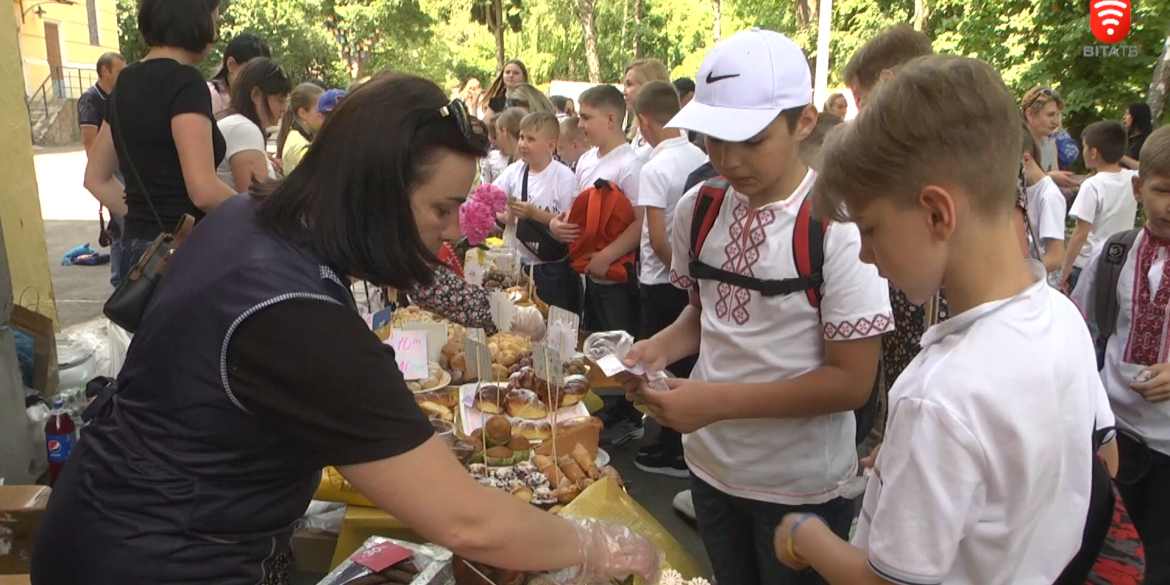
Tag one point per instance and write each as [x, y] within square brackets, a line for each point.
[60, 436]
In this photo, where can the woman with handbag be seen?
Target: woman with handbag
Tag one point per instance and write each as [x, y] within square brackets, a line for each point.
[252, 370]
[160, 131]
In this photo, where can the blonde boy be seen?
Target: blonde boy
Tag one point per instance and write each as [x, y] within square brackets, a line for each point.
[984, 476]
[1046, 208]
[571, 144]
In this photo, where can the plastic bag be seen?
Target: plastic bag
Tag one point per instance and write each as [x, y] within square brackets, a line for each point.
[603, 343]
[37, 415]
[433, 562]
[324, 517]
[119, 343]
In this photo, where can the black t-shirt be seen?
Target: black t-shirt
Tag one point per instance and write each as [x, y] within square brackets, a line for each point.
[91, 107]
[311, 370]
[149, 94]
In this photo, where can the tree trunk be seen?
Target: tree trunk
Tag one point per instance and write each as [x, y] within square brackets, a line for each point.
[921, 15]
[638, 9]
[1160, 85]
[625, 23]
[585, 11]
[802, 14]
[717, 29]
[497, 22]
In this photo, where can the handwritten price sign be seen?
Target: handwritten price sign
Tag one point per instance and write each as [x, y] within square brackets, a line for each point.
[410, 349]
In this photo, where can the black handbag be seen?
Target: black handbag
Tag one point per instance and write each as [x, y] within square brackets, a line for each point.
[536, 236]
[127, 305]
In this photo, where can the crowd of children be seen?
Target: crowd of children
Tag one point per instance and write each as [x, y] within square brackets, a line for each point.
[788, 268]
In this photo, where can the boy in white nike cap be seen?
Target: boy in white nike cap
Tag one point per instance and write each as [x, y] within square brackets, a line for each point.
[788, 317]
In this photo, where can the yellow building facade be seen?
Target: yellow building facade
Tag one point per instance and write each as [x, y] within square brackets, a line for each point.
[70, 34]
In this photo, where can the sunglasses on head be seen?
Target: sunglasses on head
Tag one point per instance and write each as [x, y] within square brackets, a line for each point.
[456, 111]
[516, 103]
[1046, 92]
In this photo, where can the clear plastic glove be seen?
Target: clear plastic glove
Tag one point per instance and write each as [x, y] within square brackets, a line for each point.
[609, 551]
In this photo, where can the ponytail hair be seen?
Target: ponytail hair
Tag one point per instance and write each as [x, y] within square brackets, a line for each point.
[303, 96]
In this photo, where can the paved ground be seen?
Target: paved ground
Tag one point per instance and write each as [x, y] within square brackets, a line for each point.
[70, 214]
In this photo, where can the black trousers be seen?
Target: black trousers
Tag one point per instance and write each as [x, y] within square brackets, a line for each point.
[661, 304]
[1148, 502]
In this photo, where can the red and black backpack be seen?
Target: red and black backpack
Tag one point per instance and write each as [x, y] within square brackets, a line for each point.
[808, 251]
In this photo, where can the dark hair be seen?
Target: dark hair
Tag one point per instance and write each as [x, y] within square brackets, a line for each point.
[107, 60]
[1028, 144]
[1143, 119]
[657, 100]
[303, 96]
[604, 96]
[684, 85]
[263, 74]
[186, 24]
[354, 186]
[243, 48]
[497, 88]
[892, 47]
[1108, 137]
[559, 102]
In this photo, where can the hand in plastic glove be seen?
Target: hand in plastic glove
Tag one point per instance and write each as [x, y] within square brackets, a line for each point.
[608, 551]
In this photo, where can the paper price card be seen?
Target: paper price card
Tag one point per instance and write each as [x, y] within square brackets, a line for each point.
[410, 349]
[479, 359]
[436, 337]
[547, 363]
[562, 330]
[477, 334]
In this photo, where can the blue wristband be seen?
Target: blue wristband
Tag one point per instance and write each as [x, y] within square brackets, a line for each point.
[792, 534]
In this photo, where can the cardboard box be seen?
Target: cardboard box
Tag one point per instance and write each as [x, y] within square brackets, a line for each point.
[312, 552]
[15, 580]
[22, 510]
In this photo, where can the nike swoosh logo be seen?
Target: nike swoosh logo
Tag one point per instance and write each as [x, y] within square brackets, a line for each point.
[714, 78]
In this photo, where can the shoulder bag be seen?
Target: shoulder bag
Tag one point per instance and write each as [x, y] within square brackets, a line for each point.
[127, 305]
[536, 236]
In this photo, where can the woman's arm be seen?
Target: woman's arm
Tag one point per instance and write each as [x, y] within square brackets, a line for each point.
[99, 174]
[248, 166]
[192, 134]
[433, 495]
[454, 299]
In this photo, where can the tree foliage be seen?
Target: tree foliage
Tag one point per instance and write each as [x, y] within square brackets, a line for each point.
[1028, 41]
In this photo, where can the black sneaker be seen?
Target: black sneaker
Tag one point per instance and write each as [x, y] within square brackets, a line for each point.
[651, 449]
[663, 463]
[622, 431]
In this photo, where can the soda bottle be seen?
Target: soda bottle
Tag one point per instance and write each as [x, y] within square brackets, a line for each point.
[60, 434]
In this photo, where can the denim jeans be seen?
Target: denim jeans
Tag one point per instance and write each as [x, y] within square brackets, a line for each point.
[124, 254]
[611, 307]
[558, 285]
[739, 535]
[1073, 276]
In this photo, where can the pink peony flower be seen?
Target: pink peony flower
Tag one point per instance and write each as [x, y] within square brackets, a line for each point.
[492, 196]
[476, 220]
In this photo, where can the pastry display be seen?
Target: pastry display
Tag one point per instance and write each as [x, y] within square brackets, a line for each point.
[575, 389]
[522, 403]
[491, 399]
[439, 404]
[456, 333]
[584, 431]
[533, 430]
[575, 367]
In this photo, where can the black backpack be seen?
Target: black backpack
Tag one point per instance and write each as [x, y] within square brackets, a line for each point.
[1105, 305]
[808, 251]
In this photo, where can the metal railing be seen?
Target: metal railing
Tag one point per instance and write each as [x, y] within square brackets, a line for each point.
[62, 83]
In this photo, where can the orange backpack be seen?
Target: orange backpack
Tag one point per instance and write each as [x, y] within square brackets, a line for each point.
[603, 212]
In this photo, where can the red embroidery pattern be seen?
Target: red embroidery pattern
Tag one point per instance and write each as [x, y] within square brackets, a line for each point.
[683, 280]
[862, 327]
[741, 259]
[1147, 337]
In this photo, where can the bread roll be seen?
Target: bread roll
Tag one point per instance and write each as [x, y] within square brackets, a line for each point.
[526, 404]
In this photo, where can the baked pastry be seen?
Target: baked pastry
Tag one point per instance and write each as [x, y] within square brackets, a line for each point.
[526, 404]
[433, 410]
[576, 387]
[584, 431]
[445, 399]
[498, 456]
[491, 399]
[533, 430]
[498, 431]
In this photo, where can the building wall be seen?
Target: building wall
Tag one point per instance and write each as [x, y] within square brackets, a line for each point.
[73, 26]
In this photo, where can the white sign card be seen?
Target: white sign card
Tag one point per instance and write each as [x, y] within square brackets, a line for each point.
[502, 309]
[479, 359]
[477, 334]
[436, 337]
[410, 349]
[547, 363]
[562, 330]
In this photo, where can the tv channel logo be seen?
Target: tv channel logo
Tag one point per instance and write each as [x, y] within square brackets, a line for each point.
[1110, 20]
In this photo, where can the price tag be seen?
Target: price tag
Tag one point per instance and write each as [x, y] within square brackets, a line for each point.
[380, 557]
[562, 330]
[502, 309]
[547, 363]
[436, 337]
[410, 349]
[479, 359]
[478, 335]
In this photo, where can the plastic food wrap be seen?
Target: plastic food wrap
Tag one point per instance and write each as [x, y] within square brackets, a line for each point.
[603, 343]
[528, 321]
[605, 500]
[433, 562]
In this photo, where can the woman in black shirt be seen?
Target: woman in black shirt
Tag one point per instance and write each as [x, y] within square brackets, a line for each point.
[1139, 122]
[160, 131]
[252, 369]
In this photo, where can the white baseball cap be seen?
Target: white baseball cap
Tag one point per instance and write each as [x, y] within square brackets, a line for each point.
[744, 83]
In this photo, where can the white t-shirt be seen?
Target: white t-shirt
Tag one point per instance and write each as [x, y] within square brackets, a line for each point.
[747, 338]
[985, 472]
[492, 166]
[1128, 352]
[1046, 211]
[641, 147]
[620, 166]
[550, 190]
[663, 179]
[240, 134]
[1105, 200]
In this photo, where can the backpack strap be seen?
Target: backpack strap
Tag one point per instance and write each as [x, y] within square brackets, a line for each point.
[707, 207]
[1109, 265]
[808, 251]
